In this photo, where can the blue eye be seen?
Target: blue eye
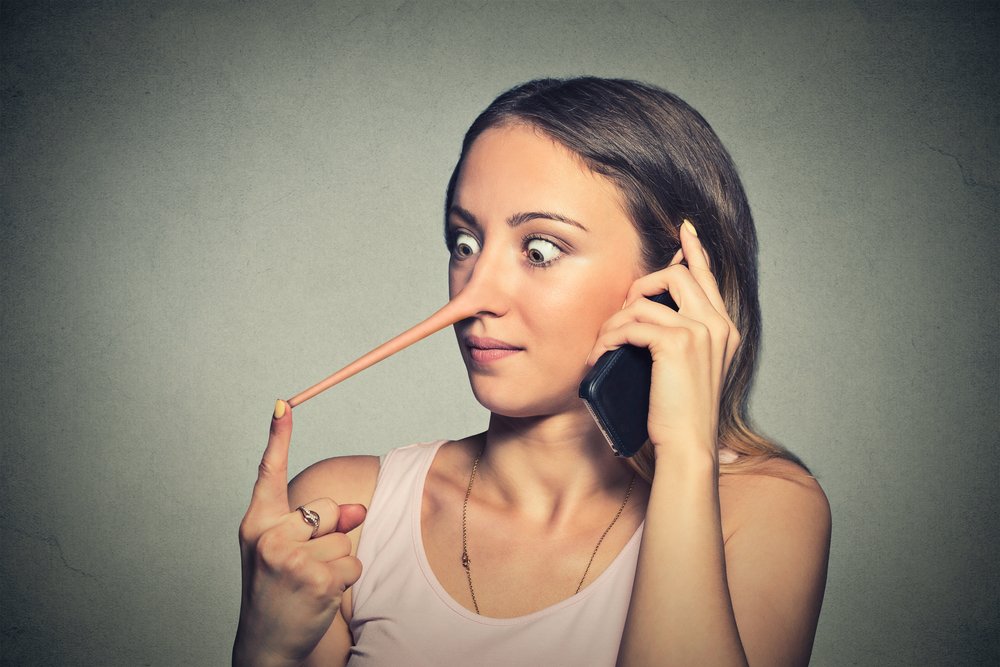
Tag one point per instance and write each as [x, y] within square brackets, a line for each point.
[542, 252]
[464, 245]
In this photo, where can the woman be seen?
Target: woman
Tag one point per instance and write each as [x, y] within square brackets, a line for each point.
[531, 543]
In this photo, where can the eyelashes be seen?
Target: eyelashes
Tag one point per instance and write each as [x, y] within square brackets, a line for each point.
[539, 251]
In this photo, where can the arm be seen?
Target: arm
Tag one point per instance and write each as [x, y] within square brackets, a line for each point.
[681, 612]
[776, 560]
[712, 586]
[294, 572]
[753, 598]
[354, 479]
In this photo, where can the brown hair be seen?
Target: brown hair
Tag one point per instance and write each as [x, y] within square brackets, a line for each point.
[669, 165]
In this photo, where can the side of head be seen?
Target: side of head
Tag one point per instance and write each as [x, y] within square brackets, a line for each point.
[669, 165]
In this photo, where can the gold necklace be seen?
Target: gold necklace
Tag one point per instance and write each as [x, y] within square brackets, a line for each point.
[466, 563]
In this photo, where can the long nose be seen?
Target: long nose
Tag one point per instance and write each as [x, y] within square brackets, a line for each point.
[482, 294]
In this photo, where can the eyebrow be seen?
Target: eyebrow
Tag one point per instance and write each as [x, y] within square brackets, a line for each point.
[517, 218]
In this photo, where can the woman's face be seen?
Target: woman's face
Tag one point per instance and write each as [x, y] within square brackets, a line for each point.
[549, 253]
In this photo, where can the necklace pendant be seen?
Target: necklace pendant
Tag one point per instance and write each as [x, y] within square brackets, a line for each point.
[465, 560]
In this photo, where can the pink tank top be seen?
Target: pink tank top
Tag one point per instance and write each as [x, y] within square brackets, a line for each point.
[403, 616]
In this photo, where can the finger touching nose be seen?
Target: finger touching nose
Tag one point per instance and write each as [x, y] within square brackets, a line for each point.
[271, 488]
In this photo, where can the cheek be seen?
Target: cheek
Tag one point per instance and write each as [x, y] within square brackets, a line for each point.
[598, 296]
[457, 279]
[572, 317]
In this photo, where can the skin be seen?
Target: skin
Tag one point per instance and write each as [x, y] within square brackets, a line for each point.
[730, 571]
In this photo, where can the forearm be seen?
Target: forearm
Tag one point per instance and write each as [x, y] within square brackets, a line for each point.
[245, 654]
[681, 612]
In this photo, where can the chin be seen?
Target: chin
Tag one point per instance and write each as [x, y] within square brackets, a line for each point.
[523, 403]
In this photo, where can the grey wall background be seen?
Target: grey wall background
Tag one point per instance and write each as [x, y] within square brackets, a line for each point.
[206, 205]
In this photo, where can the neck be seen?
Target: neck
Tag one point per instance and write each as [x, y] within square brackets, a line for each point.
[548, 467]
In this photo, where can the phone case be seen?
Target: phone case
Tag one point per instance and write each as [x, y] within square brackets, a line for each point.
[616, 391]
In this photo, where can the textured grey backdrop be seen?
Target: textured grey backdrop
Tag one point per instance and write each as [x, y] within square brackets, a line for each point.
[206, 205]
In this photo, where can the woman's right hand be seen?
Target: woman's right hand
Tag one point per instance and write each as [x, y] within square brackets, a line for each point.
[293, 581]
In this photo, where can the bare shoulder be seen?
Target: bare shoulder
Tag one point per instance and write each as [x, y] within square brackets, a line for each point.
[776, 524]
[344, 479]
[780, 496]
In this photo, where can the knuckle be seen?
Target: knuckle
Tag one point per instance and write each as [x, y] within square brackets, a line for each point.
[684, 340]
[645, 306]
[271, 550]
[349, 571]
[269, 468]
[341, 542]
[604, 337]
[719, 328]
[317, 580]
[678, 341]
[635, 289]
[297, 560]
[247, 531]
[609, 325]
[700, 333]
[328, 509]
[353, 569]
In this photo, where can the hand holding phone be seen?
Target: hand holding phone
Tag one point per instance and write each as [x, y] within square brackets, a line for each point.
[616, 391]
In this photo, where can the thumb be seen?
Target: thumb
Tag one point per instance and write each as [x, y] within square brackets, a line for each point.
[270, 492]
[351, 516]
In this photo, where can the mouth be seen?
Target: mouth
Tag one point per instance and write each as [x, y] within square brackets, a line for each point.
[485, 350]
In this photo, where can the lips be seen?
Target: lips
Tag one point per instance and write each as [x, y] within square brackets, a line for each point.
[485, 350]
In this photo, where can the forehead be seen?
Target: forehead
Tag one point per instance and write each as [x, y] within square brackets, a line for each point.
[517, 168]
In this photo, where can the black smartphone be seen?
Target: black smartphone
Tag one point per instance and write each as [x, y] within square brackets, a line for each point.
[616, 391]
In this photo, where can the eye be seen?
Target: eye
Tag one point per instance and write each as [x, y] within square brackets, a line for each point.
[464, 244]
[542, 252]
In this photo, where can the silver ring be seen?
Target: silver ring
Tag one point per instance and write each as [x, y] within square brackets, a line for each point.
[310, 517]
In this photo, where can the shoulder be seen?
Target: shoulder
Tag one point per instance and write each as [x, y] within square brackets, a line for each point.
[776, 525]
[779, 496]
[351, 479]
[344, 479]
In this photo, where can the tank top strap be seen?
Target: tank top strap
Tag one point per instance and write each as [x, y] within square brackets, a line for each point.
[401, 473]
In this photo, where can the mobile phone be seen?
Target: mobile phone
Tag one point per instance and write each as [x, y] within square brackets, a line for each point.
[616, 391]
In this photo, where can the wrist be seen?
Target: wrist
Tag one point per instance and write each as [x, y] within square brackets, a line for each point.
[250, 653]
[693, 459]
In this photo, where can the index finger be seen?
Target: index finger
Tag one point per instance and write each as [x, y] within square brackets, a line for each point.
[270, 492]
[698, 265]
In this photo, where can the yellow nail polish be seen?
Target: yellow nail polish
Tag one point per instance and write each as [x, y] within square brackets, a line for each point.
[690, 227]
[279, 409]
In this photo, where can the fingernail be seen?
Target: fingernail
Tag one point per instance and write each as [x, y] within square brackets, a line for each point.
[279, 409]
[690, 227]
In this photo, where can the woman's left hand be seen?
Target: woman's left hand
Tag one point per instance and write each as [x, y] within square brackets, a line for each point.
[691, 347]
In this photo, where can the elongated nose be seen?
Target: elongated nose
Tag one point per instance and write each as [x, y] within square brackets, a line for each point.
[486, 291]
